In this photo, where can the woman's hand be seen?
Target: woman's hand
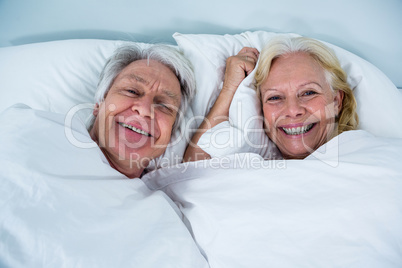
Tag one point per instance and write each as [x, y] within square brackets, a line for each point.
[238, 67]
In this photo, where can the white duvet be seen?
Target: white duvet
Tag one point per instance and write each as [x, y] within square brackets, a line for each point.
[340, 207]
[64, 206]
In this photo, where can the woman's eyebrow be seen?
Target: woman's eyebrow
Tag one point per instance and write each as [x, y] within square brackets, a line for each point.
[265, 90]
[308, 83]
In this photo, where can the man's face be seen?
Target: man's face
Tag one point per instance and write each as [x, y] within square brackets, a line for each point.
[134, 123]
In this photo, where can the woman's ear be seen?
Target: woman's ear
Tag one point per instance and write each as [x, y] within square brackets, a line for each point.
[338, 101]
[96, 110]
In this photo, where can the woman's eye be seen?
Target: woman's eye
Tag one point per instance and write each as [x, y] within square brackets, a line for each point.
[309, 93]
[273, 98]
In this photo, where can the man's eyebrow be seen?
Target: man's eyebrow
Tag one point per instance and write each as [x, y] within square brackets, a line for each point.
[173, 96]
[135, 77]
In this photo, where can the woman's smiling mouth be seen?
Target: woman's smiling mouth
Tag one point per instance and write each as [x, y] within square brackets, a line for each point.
[297, 130]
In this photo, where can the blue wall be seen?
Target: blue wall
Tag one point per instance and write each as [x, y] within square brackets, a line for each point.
[368, 28]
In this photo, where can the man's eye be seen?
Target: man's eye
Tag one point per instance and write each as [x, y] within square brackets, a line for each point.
[166, 108]
[133, 92]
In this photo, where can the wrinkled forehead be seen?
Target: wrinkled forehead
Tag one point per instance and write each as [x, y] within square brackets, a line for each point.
[153, 76]
[148, 69]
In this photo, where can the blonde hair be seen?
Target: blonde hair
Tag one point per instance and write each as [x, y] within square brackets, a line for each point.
[325, 57]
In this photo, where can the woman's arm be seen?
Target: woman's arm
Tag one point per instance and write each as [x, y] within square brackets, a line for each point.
[237, 68]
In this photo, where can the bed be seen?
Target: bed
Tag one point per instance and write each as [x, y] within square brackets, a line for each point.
[62, 206]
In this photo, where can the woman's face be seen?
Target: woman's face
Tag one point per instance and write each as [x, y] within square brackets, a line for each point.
[299, 106]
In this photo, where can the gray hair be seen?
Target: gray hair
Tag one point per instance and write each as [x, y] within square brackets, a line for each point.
[165, 54]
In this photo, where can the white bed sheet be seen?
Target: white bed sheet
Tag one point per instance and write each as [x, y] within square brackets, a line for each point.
[340, 207]
[64, 206]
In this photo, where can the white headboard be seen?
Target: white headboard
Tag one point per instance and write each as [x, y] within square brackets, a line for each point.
[369, 28]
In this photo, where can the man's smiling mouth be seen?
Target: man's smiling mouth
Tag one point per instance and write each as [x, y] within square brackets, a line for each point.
[135, 129]
[298, 130]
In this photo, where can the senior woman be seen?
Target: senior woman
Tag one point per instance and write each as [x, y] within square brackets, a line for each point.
[304, 95]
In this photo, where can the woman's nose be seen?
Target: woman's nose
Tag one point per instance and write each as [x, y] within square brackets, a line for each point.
[294, 108]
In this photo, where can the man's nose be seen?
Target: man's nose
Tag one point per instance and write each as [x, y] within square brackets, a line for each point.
[144, 107]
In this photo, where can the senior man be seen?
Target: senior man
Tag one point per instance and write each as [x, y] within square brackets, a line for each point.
[141, 97]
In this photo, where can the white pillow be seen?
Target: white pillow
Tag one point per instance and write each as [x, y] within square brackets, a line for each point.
[379, 101]
[52, 76]
[57, 76]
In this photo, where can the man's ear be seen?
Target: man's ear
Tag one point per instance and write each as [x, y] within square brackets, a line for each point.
[96, 110]
[338, 101]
